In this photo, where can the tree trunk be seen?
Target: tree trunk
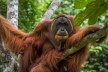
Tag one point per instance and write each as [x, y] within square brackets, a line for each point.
[12, 12]
[7, 58]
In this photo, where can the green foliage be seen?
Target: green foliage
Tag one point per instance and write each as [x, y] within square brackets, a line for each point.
[3, 7]
[97, 62]
[91, 12]
[66, 7]
[81, 3]
[0, 67]
[30, 13]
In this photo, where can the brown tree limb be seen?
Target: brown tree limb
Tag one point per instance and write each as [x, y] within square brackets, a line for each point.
[52, 8]
[86, 40]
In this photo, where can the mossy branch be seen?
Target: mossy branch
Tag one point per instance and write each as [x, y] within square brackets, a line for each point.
[86, 40]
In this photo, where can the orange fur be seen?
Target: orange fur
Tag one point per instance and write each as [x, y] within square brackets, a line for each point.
[38, 53]
[11, 36]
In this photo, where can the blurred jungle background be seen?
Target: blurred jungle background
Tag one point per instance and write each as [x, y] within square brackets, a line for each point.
[31, 11]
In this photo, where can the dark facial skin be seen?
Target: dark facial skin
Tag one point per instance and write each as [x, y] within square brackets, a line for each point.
[61, 29]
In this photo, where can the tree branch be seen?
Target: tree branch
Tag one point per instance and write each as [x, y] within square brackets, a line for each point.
[86, 40]
[52, 8]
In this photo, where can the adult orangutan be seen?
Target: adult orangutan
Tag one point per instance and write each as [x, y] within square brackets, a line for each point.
[41, 48]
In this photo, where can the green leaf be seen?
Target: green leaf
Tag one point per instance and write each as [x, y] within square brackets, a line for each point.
[81, 3]
[92, 11]
[80, 18]
[98, 8]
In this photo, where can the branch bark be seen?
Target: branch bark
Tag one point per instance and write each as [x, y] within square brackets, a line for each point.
[52, 8]
[86, 40]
